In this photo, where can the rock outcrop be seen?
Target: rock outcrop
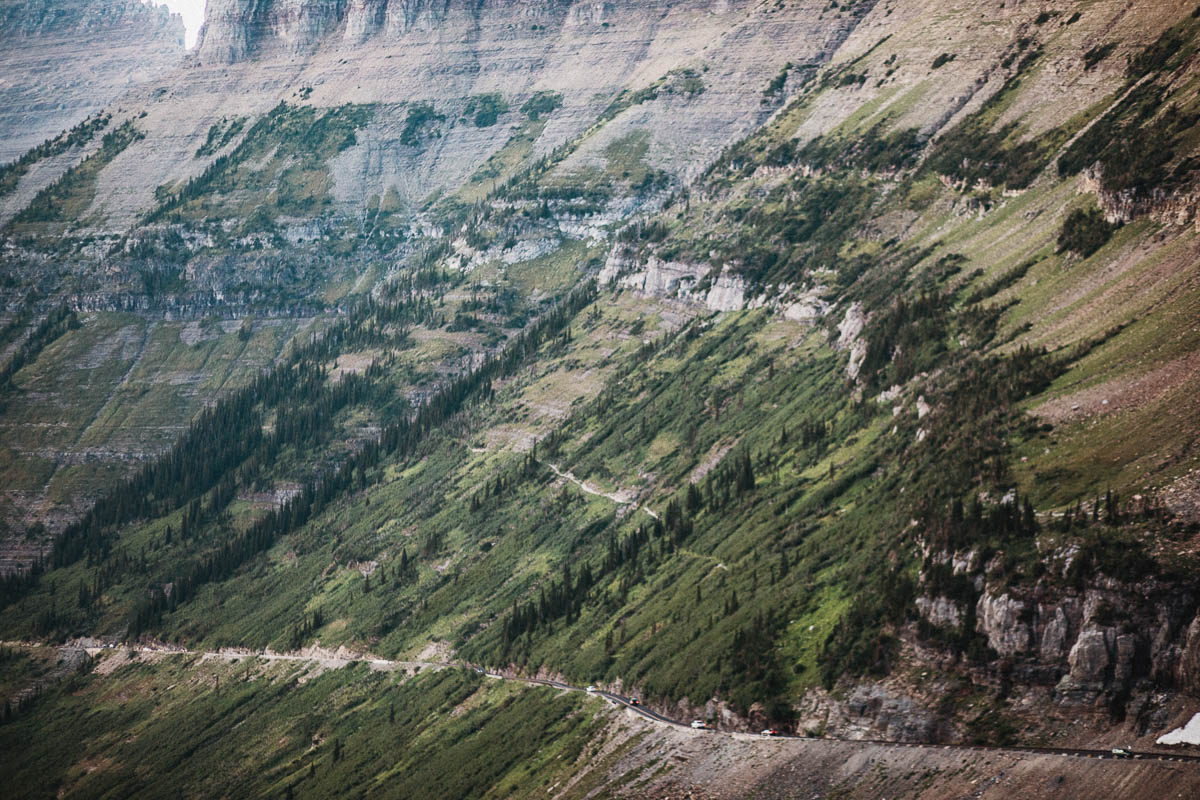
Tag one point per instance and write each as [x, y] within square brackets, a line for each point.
[1113, 644]
[1001, 620]
[893, 717]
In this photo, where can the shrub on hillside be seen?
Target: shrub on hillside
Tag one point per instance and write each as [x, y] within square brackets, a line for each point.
[486, 109]
[542, 103]
[1084, 232]
[420, 116]
[1097, 54]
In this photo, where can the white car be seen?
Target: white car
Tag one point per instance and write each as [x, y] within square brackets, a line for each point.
[591, 690]
[699, 725]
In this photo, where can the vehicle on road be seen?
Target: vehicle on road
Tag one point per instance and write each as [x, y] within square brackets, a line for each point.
[633, 701]
[591, 690]
[699, 725]
[769, 732]
[1121, 752]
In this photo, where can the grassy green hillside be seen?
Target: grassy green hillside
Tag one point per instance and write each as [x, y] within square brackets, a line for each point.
[178, 726]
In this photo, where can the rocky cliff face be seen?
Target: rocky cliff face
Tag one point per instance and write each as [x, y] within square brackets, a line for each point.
[1120, 646]
[1112, 652]
[65, 59]
[236, 30]
[1113, 644]
[702, 68]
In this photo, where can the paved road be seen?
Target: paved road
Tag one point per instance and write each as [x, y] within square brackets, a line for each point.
[334, 660]
[1062, 751]
[654, 716]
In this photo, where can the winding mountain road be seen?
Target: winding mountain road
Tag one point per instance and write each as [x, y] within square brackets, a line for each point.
[334, 660]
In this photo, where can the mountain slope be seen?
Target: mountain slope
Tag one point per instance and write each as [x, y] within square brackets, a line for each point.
[868, 410]
[65, 61]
